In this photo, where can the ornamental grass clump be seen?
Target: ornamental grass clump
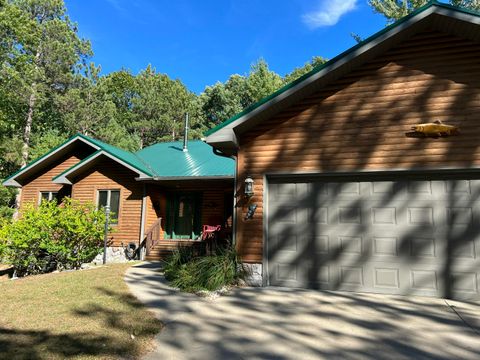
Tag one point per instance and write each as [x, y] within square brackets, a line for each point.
[193, 273]
[52, 237]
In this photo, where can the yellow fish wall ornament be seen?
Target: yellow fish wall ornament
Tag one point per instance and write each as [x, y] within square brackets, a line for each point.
[435, 129]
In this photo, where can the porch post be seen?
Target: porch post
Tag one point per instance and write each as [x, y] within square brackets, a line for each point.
[142, 221]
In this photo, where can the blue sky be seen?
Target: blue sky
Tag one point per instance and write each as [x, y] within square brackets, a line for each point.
[204, 41]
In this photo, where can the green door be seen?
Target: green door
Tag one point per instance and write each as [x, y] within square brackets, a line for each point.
[185, 210]
[184, 218]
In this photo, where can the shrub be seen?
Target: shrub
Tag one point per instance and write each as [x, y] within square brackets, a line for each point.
[7, 202]
[178, 259]
[193, 273]
[50, 237]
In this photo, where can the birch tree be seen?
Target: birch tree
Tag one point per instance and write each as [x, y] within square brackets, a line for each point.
[41, 52]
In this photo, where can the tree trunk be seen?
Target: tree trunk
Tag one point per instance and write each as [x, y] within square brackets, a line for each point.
[142, 134]
[27, 130]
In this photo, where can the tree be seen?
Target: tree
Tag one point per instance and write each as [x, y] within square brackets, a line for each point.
[43, 53]
[85, 106]
[261, 81]
[40, 52]
[396, 9]
[223, 100]
[300, 71]
[159, 107]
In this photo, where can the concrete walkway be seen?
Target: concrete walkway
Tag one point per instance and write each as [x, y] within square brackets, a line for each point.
[277, 323]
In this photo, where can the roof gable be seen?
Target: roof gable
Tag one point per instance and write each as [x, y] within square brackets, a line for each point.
[14, 180]
[123, 157]
[435, 14]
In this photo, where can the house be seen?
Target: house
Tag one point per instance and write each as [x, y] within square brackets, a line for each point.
[166, 191]
[345, 195]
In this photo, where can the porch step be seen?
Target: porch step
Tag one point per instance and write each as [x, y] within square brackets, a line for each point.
[166, 247]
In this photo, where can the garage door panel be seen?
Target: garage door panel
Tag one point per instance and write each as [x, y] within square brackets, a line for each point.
[401, 237]
[465, 282]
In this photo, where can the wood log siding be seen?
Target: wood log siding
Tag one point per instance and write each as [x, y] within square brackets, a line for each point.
[359, 122]
[109, 175]
[42, 181]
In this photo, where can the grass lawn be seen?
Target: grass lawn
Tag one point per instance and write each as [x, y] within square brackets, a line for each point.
[87, 314]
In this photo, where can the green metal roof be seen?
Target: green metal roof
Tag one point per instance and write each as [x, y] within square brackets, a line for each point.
[168, 160]
[162, 160]
[335, 59]
[126, 156]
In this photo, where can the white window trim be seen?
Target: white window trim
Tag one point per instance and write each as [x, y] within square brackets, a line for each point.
[51, 195]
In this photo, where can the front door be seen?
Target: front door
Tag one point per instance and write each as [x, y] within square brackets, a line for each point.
[185, 211]
[184, 220]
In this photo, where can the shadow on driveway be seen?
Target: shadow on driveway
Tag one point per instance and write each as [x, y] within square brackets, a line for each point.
[280, 323]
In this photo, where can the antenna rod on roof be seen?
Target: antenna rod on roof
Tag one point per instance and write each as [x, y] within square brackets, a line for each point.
[185, 134]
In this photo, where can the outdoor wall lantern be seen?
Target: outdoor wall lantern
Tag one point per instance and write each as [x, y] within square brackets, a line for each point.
[249, 187]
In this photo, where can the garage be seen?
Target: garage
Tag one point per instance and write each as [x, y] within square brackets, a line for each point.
[362, 175]
[415, 236]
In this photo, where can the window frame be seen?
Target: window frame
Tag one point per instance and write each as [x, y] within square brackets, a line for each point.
[52, 195]
[109, 199]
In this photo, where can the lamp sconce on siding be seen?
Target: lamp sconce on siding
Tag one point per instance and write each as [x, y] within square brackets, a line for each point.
[433, 130]
[249, 187]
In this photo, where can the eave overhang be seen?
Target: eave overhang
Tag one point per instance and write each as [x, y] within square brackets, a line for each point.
[12, 180]
[64, 177]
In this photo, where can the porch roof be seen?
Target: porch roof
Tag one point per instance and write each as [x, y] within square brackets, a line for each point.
[169, 161]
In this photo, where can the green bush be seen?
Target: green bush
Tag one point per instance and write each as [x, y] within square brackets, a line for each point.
[191, 273]
[7, 202]
[178, 259]
[52, 236]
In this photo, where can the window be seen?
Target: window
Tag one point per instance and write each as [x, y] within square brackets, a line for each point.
[48, 196]
[183, 219]
[110, 198]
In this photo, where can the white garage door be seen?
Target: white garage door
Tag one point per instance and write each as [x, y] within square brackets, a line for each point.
[399, 237]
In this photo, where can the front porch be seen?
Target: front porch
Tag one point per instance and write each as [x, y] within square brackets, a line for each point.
[186, 214]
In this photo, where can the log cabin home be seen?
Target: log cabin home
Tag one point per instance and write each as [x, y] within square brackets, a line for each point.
[159, 197]
[336, 183]
[339, 185]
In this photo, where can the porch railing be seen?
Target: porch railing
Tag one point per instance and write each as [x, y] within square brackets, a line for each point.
[153, 234]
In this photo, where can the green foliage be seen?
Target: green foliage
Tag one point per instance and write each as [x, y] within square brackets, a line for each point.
[7, 196]
[43, 142]
[222, 101]
[40, 53]
[182, 255]
[300, 71]
[45, 79]
[52, 236]
[193, 273]
[394, 10]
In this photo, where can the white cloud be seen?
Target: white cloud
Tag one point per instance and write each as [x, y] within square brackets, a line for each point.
[328, 13]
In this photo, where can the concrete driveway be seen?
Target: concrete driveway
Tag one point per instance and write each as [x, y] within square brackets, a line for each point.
[277, 323]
